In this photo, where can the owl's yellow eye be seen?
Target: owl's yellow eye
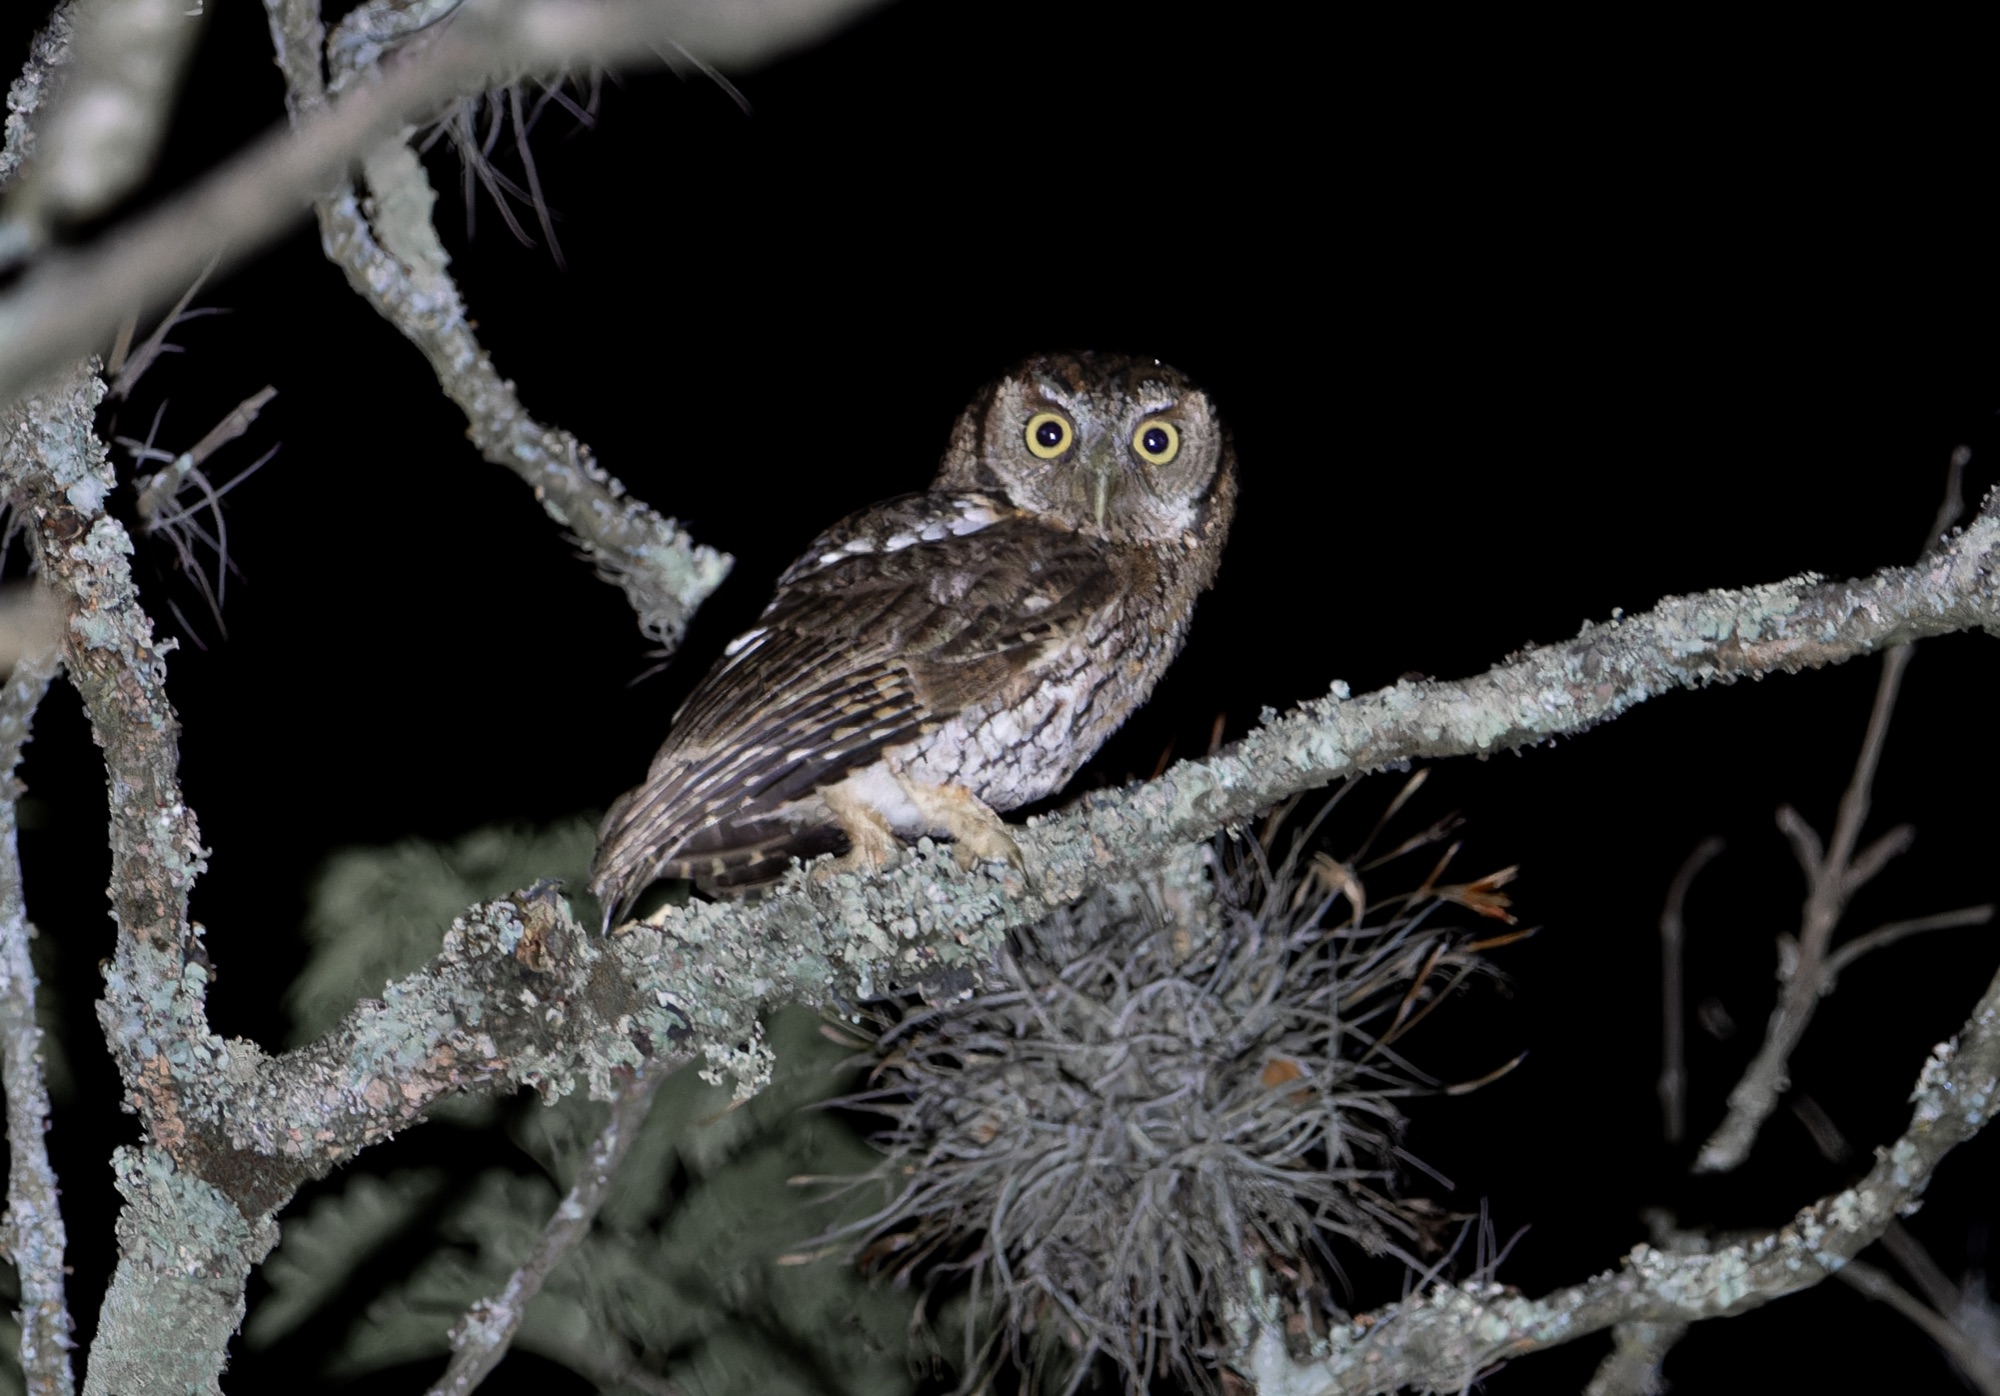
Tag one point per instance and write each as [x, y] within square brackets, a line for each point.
[1049, 434]
[1156, 442]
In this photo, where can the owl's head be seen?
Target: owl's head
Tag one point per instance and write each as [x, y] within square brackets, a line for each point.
[1124, 448]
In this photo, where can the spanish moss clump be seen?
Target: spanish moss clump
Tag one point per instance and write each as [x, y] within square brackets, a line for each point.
[1158, 1090]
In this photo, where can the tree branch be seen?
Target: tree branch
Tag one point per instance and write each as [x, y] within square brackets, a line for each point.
[101, 136]
[398, 266]
[1443, 1339]
[30, 93]
[35, 1239]
[70, 303]
[1834, 873]
[1896, 930]
[482, 1337]
[1632, 1367]
[1980, 1370]
[695, 980]
[1672, 1088]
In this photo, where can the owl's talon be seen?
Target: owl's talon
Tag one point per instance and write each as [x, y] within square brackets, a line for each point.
[871, 844]
[987, 844]
[858, 859]
[978, 835]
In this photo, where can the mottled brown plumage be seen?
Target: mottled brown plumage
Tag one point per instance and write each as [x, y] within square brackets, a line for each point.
[944, 655]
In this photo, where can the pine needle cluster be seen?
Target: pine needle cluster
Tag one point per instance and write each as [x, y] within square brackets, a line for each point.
[1156, 1091]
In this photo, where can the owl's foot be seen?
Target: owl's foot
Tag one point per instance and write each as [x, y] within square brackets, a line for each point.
[978, 835]
[871, 843]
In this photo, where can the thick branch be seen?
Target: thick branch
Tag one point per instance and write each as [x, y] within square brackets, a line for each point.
[174, 1264]
[697, 978]
[70, 303]
[34, 1235]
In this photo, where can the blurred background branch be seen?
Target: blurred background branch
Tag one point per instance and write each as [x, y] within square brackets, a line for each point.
[70, 303]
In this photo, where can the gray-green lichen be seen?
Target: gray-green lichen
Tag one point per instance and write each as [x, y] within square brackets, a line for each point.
[48, 52]
[34, 1236]
[184, 1252]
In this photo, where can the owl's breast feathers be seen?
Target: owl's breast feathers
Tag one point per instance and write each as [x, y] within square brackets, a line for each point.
[897, 621]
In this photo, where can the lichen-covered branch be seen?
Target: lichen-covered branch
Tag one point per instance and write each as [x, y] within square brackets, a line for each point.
[482, 1337]
[391, 255]
[696, 978]
[1441, 1340]
[29, 93]
[35, 1237]
[174, 1268]
[69, 303]
[34, 1233]
[228, 1133]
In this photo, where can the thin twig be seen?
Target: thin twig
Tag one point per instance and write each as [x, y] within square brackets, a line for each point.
[1896, 930]
[156, 491]
[35, 1239]
[482, 1337]
[1978, 1368]
[1673, 1011]
[1834, 874]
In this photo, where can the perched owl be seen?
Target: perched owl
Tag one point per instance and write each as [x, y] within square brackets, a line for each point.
[948, 654]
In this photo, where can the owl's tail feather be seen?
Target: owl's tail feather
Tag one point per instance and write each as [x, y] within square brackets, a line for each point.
[724, 859]
[738, 861]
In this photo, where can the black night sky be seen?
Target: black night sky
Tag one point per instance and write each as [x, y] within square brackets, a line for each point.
[1515, 322]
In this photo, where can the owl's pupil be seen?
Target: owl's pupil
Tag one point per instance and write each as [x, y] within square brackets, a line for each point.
[1156, 441]
[1049, 434]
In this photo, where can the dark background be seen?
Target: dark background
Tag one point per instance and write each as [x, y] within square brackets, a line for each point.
[1514, 325]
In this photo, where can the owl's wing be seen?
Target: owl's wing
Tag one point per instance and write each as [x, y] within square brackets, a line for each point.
[896, 620]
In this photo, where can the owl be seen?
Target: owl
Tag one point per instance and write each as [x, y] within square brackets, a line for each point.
[946, 655]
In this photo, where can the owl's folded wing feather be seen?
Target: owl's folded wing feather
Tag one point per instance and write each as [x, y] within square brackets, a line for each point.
[898, 619]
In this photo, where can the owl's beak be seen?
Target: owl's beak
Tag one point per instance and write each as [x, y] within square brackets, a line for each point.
[1104, 479]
